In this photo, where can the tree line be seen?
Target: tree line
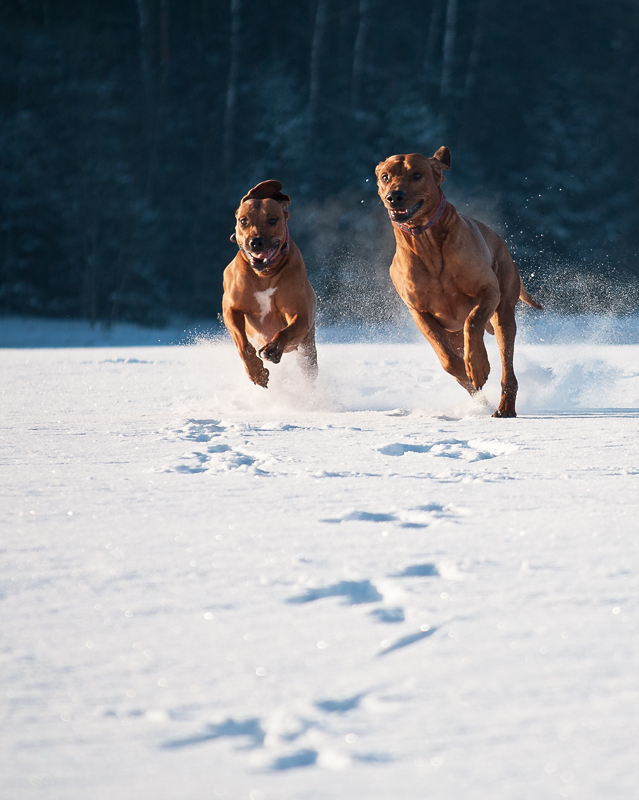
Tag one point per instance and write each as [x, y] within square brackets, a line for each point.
[130, 129]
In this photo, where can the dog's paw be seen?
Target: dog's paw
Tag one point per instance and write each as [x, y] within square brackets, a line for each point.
[272, 352]
[505, 413]
[506, 407]
[260, 376]
[478, 367]
[257, 372]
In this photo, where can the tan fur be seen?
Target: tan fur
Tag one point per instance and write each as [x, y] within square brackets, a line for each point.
[457, 278]
[268, 307]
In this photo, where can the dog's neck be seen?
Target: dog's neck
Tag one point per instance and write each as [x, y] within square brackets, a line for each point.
[417, 231]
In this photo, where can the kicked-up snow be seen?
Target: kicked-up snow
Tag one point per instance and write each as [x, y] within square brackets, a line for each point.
[368, 590]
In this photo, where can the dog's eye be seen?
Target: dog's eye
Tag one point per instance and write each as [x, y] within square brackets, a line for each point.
[272, 221]
[243, 221]
[417, 176]
[385, 178]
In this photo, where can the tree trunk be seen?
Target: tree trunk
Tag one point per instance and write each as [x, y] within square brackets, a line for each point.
[433, 37]
[164, 28]
[15, 161]
[358, 54]
[146, 50]
[164, 37]
[314, 79]
[231, 90]
[448, 53]
[473, 59]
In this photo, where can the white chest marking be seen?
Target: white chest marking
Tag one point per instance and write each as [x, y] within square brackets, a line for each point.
[264, 299]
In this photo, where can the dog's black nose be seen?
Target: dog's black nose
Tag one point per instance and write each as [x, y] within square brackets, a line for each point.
[256, 244]
[395, 198]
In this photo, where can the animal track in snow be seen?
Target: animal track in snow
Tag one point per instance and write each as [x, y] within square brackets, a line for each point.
[421, 570]
[198, 430]
[448, 570]
[220, 457]
[418, 517]
[300, 758]
[470, 450]
[224, 458]
[362, 516]
[322, 473]
[341, 706]
[298, 734]
[250, 728]
[202, 430]
[449, 475]
[390, 615]
[404, 641]
[398, 449]
[355, 592]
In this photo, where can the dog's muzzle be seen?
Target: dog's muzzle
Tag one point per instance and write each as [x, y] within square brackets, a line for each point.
[262, 259]
[404, 214]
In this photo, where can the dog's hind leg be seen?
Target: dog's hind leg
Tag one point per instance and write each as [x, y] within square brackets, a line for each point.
[308, 356]
[505, 331]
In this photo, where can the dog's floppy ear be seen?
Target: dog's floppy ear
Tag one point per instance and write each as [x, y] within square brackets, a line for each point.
[440, 161]
[268, 190]
[443, 156]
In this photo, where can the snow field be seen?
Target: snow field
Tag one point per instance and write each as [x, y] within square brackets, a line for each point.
[368, 590]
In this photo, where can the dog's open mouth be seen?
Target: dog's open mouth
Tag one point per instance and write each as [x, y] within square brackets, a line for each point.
[404, 214]
[260, 261]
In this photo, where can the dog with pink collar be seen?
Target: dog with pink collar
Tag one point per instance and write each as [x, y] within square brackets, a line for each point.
[269, 304]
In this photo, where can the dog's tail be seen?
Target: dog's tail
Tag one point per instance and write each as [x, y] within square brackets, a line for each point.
[528, 298]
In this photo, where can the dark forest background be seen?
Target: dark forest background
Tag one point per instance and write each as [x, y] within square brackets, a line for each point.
[130, 129]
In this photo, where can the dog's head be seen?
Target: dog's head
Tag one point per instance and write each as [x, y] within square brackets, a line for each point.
[409, 184]
[260, 228]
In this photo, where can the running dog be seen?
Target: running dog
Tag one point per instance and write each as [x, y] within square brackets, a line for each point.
[454, 273]
[268, 301]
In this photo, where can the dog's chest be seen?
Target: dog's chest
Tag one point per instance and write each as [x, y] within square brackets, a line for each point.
[431, 290]
[416, 276]
[265, 302]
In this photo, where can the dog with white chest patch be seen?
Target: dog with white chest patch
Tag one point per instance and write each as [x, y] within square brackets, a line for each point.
[269, 304]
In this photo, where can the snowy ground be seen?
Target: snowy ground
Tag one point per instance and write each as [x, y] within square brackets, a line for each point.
[372, 591]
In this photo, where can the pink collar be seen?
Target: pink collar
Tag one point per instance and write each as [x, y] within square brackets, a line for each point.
[419, 230]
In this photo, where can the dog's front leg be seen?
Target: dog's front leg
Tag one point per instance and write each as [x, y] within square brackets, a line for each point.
[308, 355]
[440, 341]
[475, 355]
[235, 322]
[290, 336]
